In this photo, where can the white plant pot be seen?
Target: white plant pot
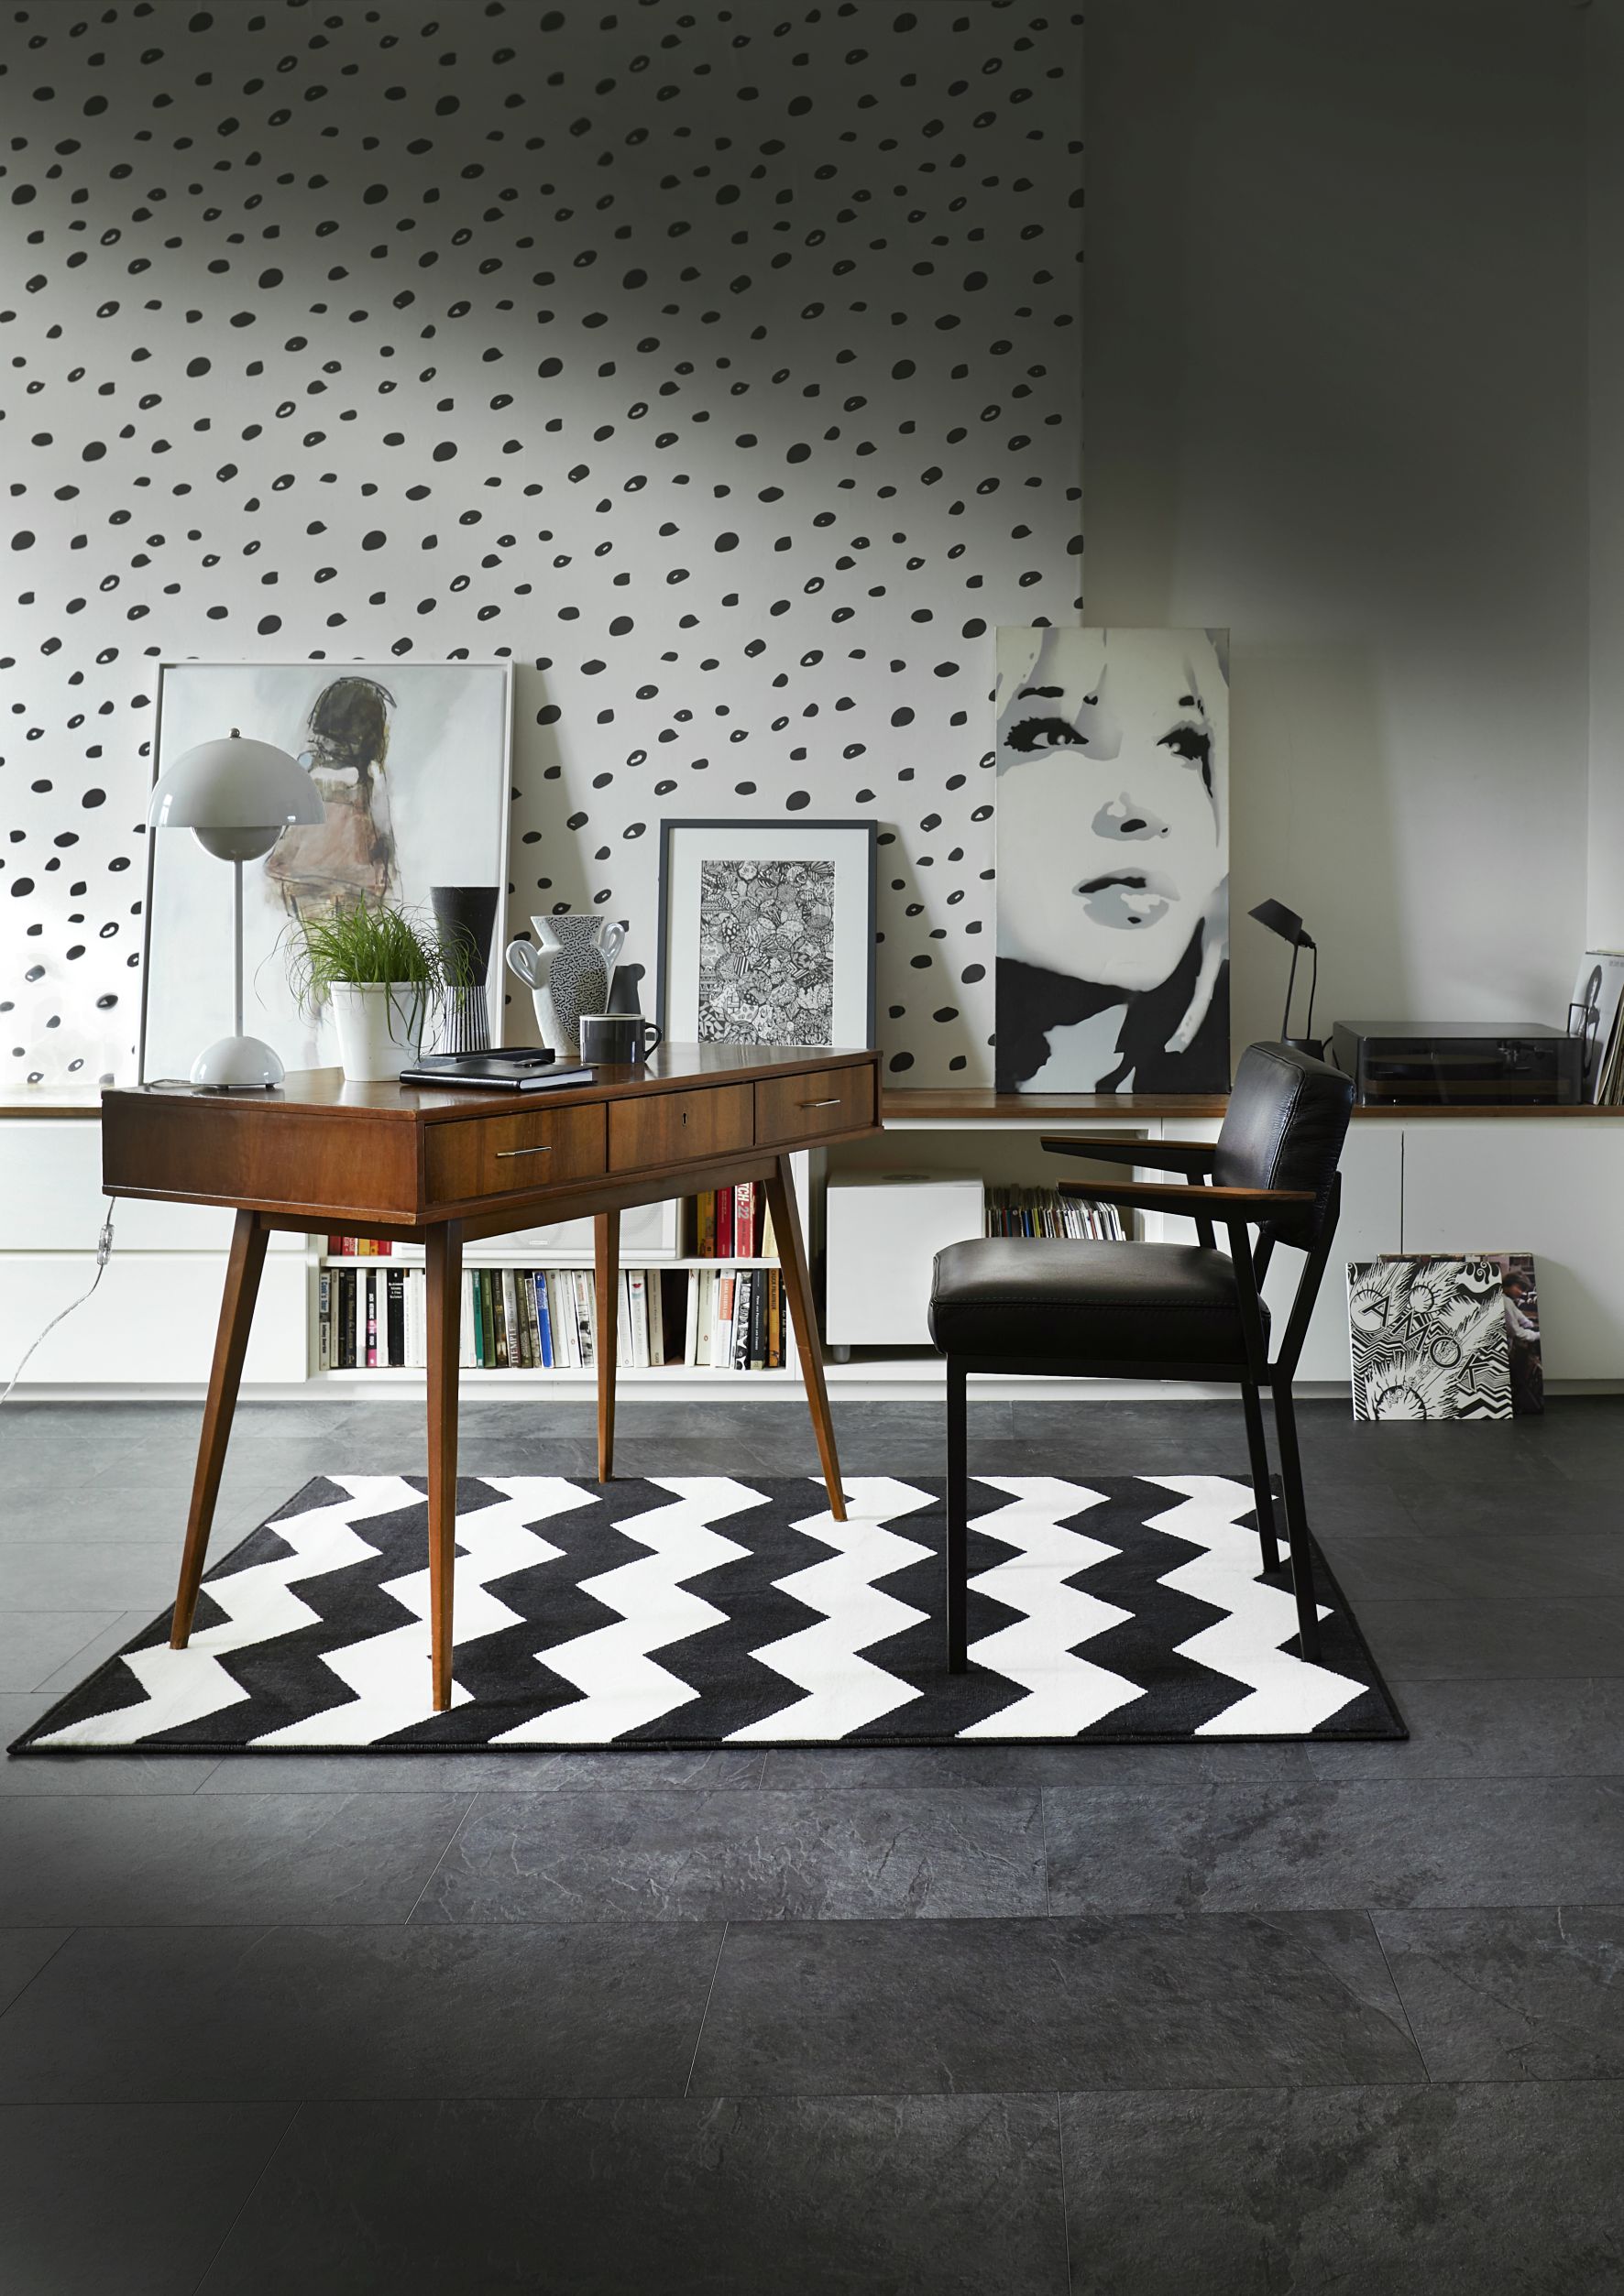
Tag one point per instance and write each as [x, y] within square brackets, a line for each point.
[379, 1032]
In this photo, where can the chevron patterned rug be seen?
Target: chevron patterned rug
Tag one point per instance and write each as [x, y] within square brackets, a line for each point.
[701, 1611]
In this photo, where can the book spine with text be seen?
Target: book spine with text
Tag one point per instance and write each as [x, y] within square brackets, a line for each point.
[395, 1279]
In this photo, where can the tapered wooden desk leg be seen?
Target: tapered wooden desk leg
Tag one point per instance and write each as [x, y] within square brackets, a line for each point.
[444, 1258]
[797, 1291]
[607, 1255]
[231, 1345]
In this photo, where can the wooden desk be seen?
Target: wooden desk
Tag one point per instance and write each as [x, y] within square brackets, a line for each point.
[443, 1168]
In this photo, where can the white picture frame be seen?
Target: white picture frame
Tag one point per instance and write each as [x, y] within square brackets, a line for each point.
[445, 778]
[811, 928]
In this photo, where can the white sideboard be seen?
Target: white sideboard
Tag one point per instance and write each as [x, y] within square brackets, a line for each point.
[1543, 1181]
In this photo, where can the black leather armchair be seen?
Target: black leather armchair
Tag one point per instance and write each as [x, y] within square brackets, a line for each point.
[1144, 1311]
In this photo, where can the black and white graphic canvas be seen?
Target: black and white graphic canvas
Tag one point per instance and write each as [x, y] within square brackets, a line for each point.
[1112, 908]
[1429, 1337]
[699, 1611]
[766, 952]
[767, 932]
[411, 760]
[1520, 1291]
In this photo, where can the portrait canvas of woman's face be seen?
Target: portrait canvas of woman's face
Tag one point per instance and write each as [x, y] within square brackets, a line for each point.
[1113, 890]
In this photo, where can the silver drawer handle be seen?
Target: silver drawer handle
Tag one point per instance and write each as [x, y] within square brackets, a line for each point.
[834, 1103]
[522, 1151]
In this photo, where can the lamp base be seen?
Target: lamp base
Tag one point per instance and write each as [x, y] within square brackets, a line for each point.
[238, 1064]
[1314, 1047]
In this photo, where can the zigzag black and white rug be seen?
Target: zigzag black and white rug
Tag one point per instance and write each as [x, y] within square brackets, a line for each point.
[700, 1610]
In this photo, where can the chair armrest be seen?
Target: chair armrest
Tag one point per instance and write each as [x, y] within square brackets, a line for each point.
[1199, 1203]
[1190, 1156]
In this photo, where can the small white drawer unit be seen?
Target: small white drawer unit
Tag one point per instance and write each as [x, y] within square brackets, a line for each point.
[881, 1231]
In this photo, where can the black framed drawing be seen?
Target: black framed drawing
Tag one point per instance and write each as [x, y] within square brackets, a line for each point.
[767, 932]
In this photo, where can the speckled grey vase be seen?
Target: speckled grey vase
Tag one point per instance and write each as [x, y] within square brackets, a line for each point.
[586, 947]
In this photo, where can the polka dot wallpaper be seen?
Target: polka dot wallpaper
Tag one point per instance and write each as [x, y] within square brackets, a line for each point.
[718, 366]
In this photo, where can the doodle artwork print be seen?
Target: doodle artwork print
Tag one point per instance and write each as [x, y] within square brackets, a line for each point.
[766, 952]
[1113, 890]
[1429, 1337]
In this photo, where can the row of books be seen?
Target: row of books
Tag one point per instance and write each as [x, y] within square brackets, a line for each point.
[733, 1223]
[546, 1319]
[730, 1223]
[1017, 1211]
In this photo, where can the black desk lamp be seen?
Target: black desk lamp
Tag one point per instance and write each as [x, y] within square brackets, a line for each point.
[1289, 926]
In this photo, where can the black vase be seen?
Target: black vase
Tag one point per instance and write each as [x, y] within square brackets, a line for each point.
[623, 995]
[466, 916]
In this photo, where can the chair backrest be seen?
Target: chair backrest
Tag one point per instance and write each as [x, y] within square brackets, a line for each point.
[1288, 1118]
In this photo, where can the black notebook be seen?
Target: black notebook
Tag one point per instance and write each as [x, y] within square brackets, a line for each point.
[518, 1071]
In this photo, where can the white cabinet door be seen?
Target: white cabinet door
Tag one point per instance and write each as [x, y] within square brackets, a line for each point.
[151, 1322]
[1371, 1222]
[1552, 1187]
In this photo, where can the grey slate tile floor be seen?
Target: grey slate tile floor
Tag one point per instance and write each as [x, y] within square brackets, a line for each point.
[1114, 2021]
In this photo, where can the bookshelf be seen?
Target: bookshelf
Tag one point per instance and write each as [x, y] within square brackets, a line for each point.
[673, 1305]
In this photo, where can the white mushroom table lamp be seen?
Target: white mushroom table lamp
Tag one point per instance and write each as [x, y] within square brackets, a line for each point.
[236, 797]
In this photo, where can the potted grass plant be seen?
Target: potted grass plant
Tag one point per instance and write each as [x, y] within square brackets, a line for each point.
[380, 973]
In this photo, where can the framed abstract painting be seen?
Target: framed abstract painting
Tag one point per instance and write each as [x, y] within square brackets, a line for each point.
[1112, 829]
[412, 763]
[767, 932]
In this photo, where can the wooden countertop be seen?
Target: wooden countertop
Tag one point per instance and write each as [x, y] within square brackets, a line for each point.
[1040, 1108]
[923, 1103]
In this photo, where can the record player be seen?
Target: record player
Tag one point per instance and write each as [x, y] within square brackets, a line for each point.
[1464, 1064]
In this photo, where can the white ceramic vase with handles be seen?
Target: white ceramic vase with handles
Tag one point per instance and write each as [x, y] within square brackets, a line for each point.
[567, 973]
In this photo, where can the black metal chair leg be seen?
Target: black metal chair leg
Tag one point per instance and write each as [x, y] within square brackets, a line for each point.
[1259, 1447]
[956, 1559]
[1302, 1568]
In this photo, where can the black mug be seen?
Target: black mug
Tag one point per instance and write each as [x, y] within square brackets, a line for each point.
[616, 1039]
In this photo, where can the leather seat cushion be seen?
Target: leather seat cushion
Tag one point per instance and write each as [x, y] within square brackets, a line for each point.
[1097, 1303]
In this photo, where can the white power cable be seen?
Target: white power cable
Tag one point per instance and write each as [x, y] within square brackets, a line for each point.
[104, 1253]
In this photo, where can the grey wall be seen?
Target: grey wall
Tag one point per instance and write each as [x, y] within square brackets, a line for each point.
[1334, 334]
[1604, 77]
[718, 365]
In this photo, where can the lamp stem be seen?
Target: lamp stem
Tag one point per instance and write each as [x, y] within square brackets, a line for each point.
[236, 937]
[1290, 985]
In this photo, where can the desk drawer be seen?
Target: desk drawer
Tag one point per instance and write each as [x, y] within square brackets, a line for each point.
[510, 1155]
[660, 1128]
[791, 1108]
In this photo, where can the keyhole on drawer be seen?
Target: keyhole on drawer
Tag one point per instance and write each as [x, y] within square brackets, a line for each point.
[685, 1115]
